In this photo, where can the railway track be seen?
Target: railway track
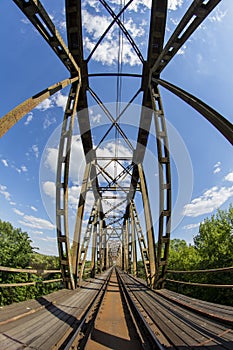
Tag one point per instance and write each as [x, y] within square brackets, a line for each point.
[117, 311]
[180, 326]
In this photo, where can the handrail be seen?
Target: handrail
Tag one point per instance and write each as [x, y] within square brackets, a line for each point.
[201, 284]
[4, 285]
[28, 270]
[223, 269]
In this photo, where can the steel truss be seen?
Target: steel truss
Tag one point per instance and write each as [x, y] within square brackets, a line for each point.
[114, 232]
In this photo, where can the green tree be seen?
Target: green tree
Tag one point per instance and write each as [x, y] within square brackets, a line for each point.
[215, 240]
[15, 246]
[17, 252]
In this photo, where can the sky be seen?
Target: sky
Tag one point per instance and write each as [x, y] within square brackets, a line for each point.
[202, 163]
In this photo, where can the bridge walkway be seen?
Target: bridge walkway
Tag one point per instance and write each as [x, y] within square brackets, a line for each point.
[177, 322]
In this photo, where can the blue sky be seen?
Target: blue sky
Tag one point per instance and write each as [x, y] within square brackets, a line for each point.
[202, 164]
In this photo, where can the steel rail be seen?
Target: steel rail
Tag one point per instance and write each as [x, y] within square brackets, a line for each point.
[147, 335]
[195, 15]
[17, 113]
[95, 302]
[215, 118]
[164, 304]
[38, 16]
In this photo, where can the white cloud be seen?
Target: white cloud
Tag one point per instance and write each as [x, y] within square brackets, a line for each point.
[5, 193]
[18, 212]
[60, 100]
[229, 177]
[24, 168]
[35, 150]
[4, 162]
[190, 226]
[95, 25]
[46, 104]
[33, 208]
[38, 232]
[209, 201]
[12, 203]
[29, 118]
[217, 16]
[181, 51]
[174, 4]
[49, 189]
[48, 121]
[57, 100]
[51, 159]
[37, 223]
[217, 168]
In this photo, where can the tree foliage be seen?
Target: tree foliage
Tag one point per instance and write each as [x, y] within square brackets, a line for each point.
[17, 252]
[213, 247]
[15, 246]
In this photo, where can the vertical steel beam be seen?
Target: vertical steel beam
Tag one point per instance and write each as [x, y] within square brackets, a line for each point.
[129, 246]
[164, 188]
[62, 187]
[93, 251]
[134, 245]
[149, 224]
[79, 221]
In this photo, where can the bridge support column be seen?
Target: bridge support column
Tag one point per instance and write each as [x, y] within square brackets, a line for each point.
[149, 225]
[134, 245]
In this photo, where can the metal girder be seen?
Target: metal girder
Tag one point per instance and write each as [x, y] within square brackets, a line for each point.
[165, 204]
[215, 118]
[108, 28]
[108, 114]
[79, 220]
[134, 245]
[62, 186]
[16, 114]
[155, 46]
[194, 16]
[38, 16]
[123, 29]
[142, 242]
[149, 225]
[85, 243]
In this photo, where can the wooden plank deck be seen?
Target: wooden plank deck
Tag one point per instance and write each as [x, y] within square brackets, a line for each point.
[42, 323]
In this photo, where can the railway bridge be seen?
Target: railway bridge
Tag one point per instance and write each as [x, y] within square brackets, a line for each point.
[113, 308]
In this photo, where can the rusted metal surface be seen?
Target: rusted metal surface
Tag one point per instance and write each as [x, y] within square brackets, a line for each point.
[62, 187]
[38, 16]
[47, 322]
[183, 322]
[165, 203]
[192, 19]
[16, 114]
[113, 328]
[216, 119]
[117, 222]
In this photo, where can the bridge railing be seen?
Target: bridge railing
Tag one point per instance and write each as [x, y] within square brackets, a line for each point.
[222, 270]
[40, 274]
